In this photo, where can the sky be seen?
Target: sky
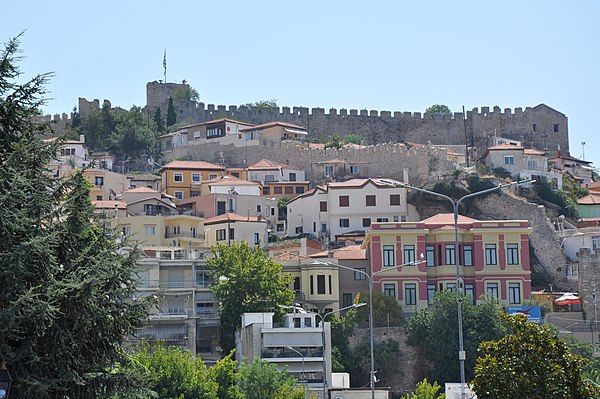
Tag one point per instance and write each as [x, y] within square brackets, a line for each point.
[375, 55]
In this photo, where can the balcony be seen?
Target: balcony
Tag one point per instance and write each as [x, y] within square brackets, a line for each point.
[168, 313]
[285, 353]
[198, 236]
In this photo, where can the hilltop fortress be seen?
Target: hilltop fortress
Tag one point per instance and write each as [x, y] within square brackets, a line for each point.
[538, 127]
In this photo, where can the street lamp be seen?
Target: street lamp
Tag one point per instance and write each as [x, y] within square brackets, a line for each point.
[455, 204]
[353, 306]
[370, 280]
[303, 375]
[5, 380]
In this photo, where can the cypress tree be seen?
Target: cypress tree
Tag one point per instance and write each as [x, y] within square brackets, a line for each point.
[171, 116]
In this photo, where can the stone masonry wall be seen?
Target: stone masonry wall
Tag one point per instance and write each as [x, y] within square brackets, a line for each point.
[410, 368]
[385, 126]
[543, 239]
[384, 160]
[589, 277]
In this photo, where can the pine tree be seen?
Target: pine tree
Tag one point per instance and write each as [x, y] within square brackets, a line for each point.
[64, 308]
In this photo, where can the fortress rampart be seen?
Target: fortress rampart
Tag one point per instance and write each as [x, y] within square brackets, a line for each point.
[539, 127]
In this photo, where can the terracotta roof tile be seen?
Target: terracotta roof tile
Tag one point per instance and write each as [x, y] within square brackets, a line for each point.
[192, 165]
[592, 199]
[109, 204]
[233, 218]
[448, 218]
[140, 190]
[265, 164]
[271, 124]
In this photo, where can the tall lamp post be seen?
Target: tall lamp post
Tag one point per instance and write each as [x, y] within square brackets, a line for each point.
[370, 281]
[353, 306]
[5, 380]
[455, 205]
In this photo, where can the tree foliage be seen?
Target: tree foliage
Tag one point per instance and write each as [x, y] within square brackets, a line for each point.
[185, 93]
[64, 309]
[263, 104]
[159, 121]
[125, 133]
[435, 332]
[387, 312]
[249, 280]
[530, 362]
[438, 109]
[173, 373]
[425, 390]
[171, 115]
[263, 380]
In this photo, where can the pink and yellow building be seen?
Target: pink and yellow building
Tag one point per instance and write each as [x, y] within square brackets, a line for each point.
[493, 258]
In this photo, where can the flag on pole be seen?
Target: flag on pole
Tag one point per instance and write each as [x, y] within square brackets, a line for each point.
[165, 60]
[594, 296]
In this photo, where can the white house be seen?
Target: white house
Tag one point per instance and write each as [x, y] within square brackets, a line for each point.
[342, 207]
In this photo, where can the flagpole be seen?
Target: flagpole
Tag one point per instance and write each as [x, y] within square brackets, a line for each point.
[165, 65]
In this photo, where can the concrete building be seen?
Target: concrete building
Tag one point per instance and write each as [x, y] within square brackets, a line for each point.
[588, 207]
[341, 207]
[275, 131]
[155, 230]
[297, 345]
[106, 185]
[526, 163]
[493, 257]
[183, 179]
[187, 313]
[339, 170]
[316, 285]
[278, 180]
[580, 169]
[229, 227]
[72, 154]
[145, 180]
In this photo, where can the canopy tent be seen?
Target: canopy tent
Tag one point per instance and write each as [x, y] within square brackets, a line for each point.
[567, 299]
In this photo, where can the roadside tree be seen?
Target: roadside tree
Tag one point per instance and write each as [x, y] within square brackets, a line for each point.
[247, 280]
[530, 362]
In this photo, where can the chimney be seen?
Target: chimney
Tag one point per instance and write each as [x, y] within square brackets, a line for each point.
[82, 138]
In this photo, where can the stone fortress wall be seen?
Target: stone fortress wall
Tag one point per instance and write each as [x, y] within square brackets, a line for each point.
[543, 239]
[383, 160]
[540, 127]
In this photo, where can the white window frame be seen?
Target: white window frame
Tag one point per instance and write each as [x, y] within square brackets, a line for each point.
[196, 177]
[509, 160]
[176, 176]
[389, 257]
[178, 194]
[512, 254]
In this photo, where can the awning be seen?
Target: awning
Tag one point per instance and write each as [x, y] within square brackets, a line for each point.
[568, 299]
[295, 131]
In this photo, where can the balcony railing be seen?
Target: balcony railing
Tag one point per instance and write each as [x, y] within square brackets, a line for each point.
[171, 234]
[202, 313]
[173, 284]
[273, 353]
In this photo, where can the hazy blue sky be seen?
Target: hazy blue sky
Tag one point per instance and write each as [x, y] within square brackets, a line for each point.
[375, 55]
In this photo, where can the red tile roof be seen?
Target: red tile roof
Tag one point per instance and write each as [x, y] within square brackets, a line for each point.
[265, 164]
[351, 252]
[592, 199]
[140, 190]
[271, 124]
[233, 218]
[109, 204]
[192, 165]
[448, 218]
